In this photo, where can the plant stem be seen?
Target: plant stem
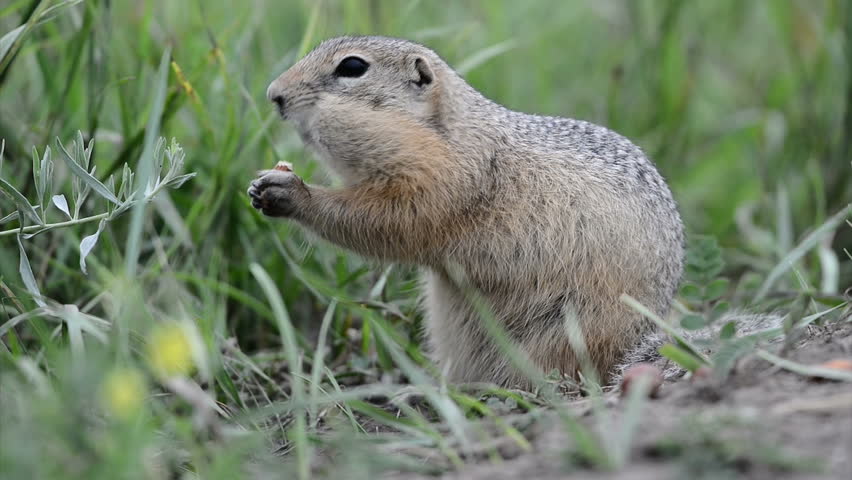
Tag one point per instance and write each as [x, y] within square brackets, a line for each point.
[54, 225]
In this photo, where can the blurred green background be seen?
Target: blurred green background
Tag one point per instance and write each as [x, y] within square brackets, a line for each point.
[741, 104]
[744, 107]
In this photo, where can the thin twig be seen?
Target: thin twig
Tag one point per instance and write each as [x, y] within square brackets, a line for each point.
[48, 226]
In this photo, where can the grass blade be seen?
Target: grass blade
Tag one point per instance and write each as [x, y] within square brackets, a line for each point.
[679, 356]
[806, 370]
[443, 404]
[288, 339]
[635, 305]
[7, 40]
[310, 30]
[146, 167]
[811, 241]
[318, 363]
[465, 66]
[12, 41]
[636, 400]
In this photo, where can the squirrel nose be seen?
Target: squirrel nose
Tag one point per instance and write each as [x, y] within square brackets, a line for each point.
[274, 95]
[279, 101]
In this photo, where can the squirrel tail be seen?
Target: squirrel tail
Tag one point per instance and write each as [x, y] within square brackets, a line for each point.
[646, 350]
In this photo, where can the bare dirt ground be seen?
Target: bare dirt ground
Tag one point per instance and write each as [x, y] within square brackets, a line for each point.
[763, 422]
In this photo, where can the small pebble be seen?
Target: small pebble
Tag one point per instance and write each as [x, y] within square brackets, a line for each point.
[642, 370]
[838, 364]
[702, 373]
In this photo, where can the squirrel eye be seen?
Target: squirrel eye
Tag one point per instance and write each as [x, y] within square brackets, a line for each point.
[351, 67]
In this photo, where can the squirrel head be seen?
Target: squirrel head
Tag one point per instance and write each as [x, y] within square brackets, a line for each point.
[359, 101]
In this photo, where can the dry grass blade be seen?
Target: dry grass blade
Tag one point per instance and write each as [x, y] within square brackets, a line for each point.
[807, 370]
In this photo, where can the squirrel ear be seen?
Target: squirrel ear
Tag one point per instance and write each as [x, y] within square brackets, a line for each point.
[422, 73]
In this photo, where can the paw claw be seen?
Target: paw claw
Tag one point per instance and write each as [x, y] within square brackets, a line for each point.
[276, 193]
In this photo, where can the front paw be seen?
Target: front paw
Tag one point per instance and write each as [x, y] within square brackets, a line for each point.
[278, 193]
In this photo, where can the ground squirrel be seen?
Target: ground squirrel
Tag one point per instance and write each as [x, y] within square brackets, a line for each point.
[549, 219]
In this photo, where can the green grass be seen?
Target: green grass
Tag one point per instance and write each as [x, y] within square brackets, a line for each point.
[744, 106]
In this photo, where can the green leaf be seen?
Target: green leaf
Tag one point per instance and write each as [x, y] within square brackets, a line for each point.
[21, 201]
[46, 177]
[126, 183]
[27, 275]
[86, 177]
[703, 259]
[691, 292]
[157, 164]
[716, 289]
[681, 357]
[728, 331]
[37, 175]
[129, 202]
[179, 180]
[61, 203]
[718, 310]
[87, 244]
[110, 184]
[713, 267]
[82, 154]
[730, 352]
[693, 322]
[77, 323]
[9, 218]
[42, 176]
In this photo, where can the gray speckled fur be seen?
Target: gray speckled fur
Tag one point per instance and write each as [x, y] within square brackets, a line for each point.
[646, 350]
[549, 219]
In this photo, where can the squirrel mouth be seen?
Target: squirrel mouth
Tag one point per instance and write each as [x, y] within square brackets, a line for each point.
[282, 113]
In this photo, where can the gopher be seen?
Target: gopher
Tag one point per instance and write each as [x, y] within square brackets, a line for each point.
[546, 221]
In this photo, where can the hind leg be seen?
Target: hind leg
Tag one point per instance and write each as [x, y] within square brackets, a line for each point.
[458, 344]
[597, 341]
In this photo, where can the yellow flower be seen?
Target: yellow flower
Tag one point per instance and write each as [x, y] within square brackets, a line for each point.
[123, 392]
[170, 350]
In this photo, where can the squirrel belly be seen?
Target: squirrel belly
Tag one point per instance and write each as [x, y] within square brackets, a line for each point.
[548, 220]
